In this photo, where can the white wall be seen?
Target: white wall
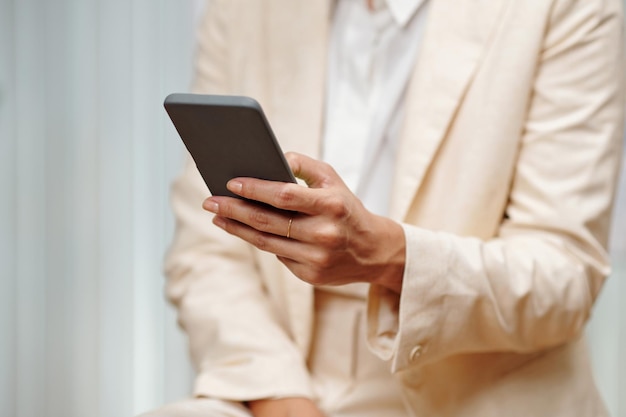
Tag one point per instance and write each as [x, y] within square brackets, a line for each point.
[86, 156]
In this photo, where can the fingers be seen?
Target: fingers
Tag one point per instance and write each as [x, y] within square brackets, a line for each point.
[276, 244]
[310, 229]
[279, 223]
[308, 261]
[315, 173]
[293, 197]
[317, 230]
[284, 196]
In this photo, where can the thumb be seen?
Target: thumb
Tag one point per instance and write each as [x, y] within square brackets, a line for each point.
[316, 174]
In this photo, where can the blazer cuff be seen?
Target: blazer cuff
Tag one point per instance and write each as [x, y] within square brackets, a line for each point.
[390, 314]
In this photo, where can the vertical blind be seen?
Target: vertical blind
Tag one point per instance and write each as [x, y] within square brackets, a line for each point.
[86, 156]
[607, 330]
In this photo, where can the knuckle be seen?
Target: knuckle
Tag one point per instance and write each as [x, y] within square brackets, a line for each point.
[326, 168]
[322, 261]
[260, 241]
[291, 156]
[285, 196]
[329, 171]
[337, 207]
[226, 210]
[326, 174]
[259, 220]
[329, 236]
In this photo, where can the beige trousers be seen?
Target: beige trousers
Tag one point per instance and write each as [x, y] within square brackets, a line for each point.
[349, 381]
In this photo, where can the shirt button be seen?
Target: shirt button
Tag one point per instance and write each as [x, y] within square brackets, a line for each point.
[415, 353]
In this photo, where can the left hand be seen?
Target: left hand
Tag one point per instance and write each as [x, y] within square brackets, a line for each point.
[333, 239]
[284, 407]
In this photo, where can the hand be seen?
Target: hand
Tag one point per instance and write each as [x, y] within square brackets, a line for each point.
[285, 407]
[333, 239]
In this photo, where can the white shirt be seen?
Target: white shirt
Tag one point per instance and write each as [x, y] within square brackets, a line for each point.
[371, 58]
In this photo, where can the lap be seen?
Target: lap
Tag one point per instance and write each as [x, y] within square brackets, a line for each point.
[200, 407]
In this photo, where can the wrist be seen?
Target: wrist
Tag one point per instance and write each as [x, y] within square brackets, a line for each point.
[393, 247]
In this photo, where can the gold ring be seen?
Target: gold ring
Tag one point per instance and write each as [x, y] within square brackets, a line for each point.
[289, 228]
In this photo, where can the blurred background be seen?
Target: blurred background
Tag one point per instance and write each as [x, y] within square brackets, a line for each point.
[86, 158]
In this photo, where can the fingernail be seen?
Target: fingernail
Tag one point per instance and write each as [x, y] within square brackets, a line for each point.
[211, 206]
[234, 186]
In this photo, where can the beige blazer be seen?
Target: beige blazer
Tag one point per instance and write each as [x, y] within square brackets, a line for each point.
[504, 183]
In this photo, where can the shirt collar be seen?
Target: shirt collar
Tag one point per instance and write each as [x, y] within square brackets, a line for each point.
[401, 10]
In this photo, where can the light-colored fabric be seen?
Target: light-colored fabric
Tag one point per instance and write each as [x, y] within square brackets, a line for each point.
[371, 58]
[506, 169]
[401, 10]
[200, 407]
[349, 380]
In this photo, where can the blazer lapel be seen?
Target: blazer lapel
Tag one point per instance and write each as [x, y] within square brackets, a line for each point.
[456, 37]
[297, 48]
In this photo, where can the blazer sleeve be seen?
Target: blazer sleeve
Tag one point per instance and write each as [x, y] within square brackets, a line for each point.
[237, 344]
[533, 285]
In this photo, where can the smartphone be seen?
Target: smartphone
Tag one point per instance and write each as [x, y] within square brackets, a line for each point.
[227, 137]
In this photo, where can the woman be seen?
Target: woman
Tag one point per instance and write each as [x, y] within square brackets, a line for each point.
[445, 257]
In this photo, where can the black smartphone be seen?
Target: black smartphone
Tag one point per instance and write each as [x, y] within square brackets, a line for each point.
[227, 137]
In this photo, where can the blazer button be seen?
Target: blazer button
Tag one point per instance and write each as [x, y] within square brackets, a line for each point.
[415, 353]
